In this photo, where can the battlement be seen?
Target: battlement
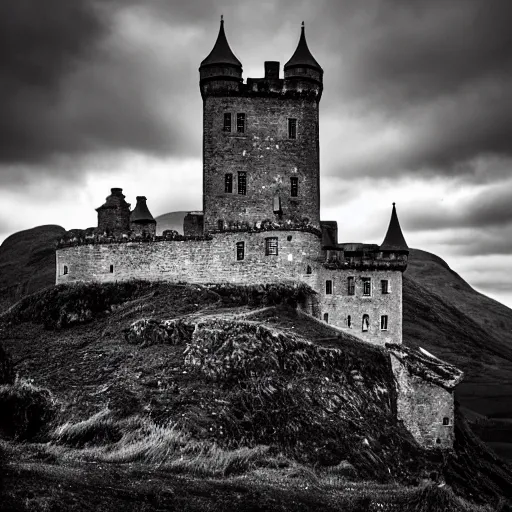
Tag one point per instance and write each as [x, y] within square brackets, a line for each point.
[365, 257]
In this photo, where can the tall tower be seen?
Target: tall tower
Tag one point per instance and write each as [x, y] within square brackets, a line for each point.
[260, 140]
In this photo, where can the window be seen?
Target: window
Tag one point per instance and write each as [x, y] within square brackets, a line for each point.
[367, 286]
[292, 128]
[326, 318]
[294, 187]
[328, 287]
[384, 286]
[366, 323]
[228, 183]
[220, 225]
[242, 183]
[446, 421]
[349, 321]
[351, 285]
[271, 246]
[111, 269]
[65, 270]
[384, 323]
[277, 204]
[308, 270]
[240, 123]
[227, 122]
[240, 250]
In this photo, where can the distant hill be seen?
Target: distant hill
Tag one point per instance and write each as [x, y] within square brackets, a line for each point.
[27, 262]
[172, 220]
[445, 315]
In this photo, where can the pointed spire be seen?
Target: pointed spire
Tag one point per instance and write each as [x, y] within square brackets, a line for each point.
[221, 52]
[394, 239]
[302, 56]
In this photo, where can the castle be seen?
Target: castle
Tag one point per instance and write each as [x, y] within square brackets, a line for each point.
[260, 223]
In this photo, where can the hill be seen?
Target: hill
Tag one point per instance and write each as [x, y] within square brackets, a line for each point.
[27, 262]
[172, 220]
[445, 315]
[225, 383]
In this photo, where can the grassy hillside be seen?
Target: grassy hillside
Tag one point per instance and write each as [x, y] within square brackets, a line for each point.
[443, 314]
[172, 220]
[27, 262]
[168, 395]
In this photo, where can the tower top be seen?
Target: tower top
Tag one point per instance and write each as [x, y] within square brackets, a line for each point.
[141, 212]
[394, 239]
[302, 56]
[221, 53]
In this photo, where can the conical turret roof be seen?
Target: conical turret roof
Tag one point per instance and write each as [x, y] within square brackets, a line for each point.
[141, 212]
[221, 52]
[302, 55]
[394, 239]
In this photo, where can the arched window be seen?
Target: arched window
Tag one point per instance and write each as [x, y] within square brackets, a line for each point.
[326, 318]
[366, 323]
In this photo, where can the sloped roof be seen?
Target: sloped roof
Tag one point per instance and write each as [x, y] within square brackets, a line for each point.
[394, 239]
[302, 55]
[221, 52]
[427, 366]
[141, 213]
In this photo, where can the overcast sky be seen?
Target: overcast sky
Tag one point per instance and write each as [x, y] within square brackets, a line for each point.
[417, 109]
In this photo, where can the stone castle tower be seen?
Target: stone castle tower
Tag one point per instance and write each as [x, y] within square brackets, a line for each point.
[260, 140]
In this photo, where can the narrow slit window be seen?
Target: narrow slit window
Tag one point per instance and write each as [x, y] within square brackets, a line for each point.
[294, 187]
[366, 323]
[65, 270]
[111, 269]
[240, 251]
[308, 270]
[240, 123]
[326, 318]
[271, 247]
[367, 286]
[351, 285]
[242, 183]
[220, 225]
[227, 122]
[328, 287]
[384, 285]
[384, 323]
[349, 321]
[292, 128]
[228, 183]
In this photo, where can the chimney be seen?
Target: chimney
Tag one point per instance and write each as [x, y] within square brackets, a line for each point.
[271, 70]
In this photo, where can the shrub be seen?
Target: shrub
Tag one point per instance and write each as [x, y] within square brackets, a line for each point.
[26, 410]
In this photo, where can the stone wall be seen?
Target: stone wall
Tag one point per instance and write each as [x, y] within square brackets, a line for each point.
[200, 261]
[143, 229]
[423, 406]
[266, 154]
[339, 304]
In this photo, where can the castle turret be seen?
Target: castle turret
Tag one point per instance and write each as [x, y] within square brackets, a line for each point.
[394, 240]
[302, 72]
[114, 215]
[142, 222]
[221, 71]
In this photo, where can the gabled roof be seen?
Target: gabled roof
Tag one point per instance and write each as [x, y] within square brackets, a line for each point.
[423, 364]
[141, 212]
[221, 52]
[302, 55]
[394, 239]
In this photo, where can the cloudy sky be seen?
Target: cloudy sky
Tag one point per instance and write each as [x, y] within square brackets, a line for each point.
[417, 109]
